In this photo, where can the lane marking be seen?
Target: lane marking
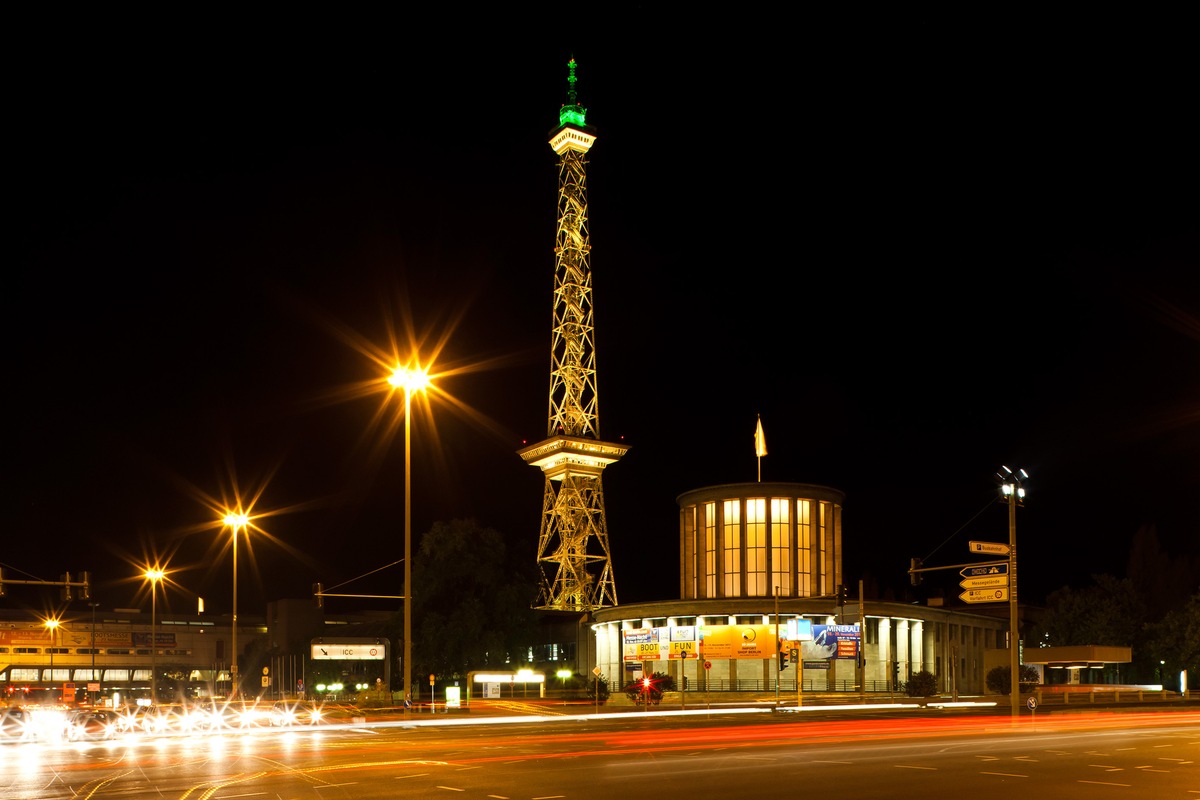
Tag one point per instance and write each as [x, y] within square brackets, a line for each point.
[1107, 783]
[451, 789]
[1005, 774]
[911, 766]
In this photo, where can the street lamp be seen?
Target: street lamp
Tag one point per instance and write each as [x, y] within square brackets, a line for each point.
[410, 379]
[52, 626]
[1012, 491]
[93, 649]
[154, 576]
[234, 521]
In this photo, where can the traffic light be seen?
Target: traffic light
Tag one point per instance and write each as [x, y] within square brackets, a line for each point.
[914, 576]
[66, 588]
[895, 673]
[1, 582]
[841, 594]
[85, 591]
[319, 594]
[783, 660]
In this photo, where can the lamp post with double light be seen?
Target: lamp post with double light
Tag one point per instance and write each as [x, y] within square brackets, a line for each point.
[1012, 492]
[235, 521]
[410, 379]
[154, 576]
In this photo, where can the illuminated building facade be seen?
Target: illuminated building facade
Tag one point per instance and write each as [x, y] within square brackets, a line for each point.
[760, 572]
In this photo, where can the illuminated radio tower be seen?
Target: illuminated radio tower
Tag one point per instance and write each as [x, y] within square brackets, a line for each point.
[573, 555]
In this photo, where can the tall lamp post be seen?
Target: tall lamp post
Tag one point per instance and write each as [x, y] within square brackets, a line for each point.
[154, 576]
[93, 649]
[1012, 491]
[234, 521]
[410, 379]
[52, 626]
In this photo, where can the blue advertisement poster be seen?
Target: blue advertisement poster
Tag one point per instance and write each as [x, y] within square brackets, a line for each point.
[830, 642]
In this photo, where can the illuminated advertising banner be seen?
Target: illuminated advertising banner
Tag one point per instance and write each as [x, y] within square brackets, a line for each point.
[659, 644]
[830, 642]
[102, 639]
[641, 644]
[738, 641]
[347, 652]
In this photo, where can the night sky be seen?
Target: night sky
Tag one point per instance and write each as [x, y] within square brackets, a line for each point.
[919, 248]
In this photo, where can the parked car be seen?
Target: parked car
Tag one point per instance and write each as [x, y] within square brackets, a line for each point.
[92, 724]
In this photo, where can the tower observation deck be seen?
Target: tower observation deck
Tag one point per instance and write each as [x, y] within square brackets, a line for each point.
[573, 554]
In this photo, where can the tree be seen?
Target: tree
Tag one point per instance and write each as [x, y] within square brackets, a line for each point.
[1160, 577]
[1110, 612]
[472, 603]
[1174, 642]
[597, 688]
[921, 684]
[999, 679]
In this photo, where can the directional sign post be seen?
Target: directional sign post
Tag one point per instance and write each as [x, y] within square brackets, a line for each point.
[988, 548]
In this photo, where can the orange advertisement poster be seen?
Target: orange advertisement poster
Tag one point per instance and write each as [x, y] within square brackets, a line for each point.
[739, 641]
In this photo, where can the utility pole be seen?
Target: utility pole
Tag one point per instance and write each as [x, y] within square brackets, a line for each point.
[862, 644]
[778, 648]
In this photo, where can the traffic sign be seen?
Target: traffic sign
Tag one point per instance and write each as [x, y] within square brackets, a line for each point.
[985, 595]
[985, 582]
[708, 665]
[987, 569]
[990, 548]
[596, 671]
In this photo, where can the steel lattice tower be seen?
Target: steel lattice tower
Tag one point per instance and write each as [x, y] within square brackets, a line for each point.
[573, 555]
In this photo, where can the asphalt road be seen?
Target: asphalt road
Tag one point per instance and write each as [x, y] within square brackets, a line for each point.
[755, 754]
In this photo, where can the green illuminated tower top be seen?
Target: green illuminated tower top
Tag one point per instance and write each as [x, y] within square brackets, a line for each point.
[573, 132]
[572, 113]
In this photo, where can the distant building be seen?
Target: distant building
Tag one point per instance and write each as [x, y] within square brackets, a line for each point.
[108, 655]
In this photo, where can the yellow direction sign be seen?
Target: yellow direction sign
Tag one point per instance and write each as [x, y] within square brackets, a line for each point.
[984, 582]
[985, 595]
[991, 548]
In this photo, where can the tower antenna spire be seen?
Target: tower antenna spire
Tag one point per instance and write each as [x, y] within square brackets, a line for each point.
[571, 93]
[573, 555]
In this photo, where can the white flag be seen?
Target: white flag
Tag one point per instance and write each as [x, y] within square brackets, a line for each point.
[760, 441]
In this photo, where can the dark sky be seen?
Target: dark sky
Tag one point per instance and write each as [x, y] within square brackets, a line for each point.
[919, 248]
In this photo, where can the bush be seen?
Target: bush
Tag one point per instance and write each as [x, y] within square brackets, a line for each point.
[921, 684]
[999, 679]
[597, 688]
[660, 682]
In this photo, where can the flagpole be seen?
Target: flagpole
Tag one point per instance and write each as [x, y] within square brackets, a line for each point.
[760, 446]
